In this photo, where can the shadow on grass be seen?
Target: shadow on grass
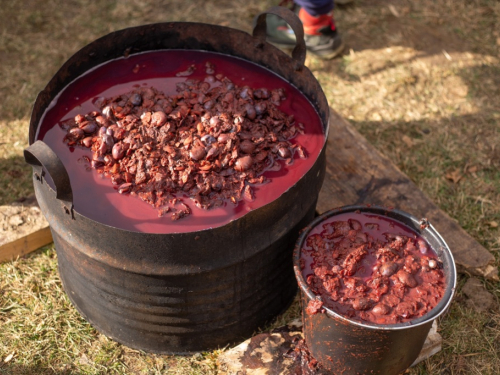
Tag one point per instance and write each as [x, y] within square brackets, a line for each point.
[455, 161]
[15, 179]
[459, 140]
[423, 25]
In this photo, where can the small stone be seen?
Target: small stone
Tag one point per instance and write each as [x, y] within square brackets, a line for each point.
[197, 356]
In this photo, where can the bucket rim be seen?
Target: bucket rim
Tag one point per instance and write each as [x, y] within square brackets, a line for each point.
[407, 219]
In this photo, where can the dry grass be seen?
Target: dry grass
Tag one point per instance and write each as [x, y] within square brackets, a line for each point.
[43, 334]
[420, 79]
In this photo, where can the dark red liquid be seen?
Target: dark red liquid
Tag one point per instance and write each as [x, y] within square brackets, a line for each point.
[96, 198]
[378, 229]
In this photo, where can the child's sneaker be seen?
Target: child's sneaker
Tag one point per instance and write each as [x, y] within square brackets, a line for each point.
[320, 34]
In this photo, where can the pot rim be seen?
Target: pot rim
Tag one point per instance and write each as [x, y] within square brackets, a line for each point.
[319, 103]
[413, 223]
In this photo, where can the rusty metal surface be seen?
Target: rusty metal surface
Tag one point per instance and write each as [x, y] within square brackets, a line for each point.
[347, 346]
[180, 293]
[41, 157]
[348, 349]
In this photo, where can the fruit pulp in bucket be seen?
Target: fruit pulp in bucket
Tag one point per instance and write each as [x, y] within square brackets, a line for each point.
[96, 198]
[371, 268]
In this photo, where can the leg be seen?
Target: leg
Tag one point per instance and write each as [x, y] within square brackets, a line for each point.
[315, 7]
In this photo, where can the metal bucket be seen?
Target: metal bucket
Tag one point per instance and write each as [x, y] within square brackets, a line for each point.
[346, 346]
[181, 292]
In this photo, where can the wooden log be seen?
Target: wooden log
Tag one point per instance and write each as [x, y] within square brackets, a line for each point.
[23, 229]
[356, 173]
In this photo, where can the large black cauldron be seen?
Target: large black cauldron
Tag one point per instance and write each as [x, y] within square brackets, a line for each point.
[179, 293]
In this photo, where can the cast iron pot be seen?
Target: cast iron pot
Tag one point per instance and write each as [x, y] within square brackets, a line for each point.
[346, 346]
[188, 292]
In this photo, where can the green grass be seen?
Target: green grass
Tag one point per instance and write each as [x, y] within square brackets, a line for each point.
[46, 334]
[431, 115]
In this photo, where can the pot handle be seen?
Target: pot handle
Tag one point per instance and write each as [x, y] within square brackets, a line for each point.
[42, 158]
[259, 32]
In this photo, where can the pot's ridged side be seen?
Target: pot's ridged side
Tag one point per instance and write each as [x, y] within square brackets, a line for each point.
[147, 291]
[184, 313]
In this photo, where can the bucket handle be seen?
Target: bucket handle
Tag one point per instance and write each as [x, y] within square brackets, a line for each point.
[259, 32]
[42, 158]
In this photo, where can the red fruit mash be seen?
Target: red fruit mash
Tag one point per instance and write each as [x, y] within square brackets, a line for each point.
[371, 268]
[73, 124]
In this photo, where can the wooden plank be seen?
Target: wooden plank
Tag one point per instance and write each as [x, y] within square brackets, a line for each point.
[25, 244]
[23, 229]
[357, 173]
